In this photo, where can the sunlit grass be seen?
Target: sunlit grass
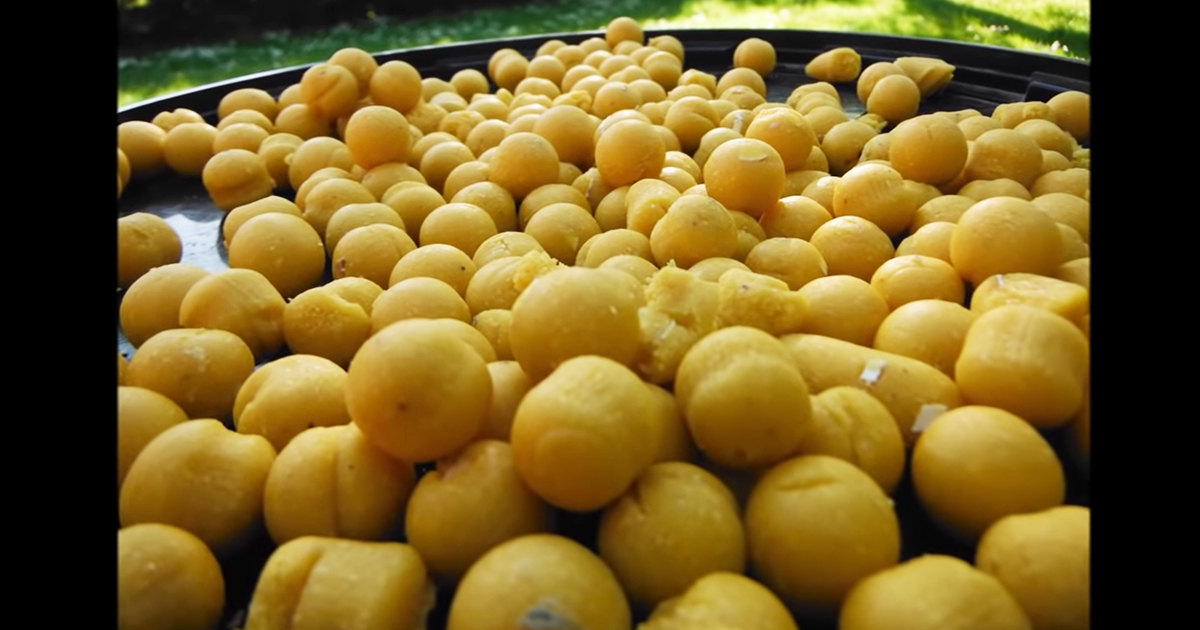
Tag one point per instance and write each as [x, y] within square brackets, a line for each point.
[1048, 26]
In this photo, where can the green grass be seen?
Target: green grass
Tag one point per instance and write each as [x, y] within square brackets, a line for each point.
[1049, 26]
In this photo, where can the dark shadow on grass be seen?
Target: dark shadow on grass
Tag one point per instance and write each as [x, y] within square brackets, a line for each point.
[952, 19]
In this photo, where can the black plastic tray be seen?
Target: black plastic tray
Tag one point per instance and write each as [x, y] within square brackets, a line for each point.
[985, 77]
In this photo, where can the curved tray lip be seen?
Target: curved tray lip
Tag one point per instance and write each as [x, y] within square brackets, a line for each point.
[872, 44]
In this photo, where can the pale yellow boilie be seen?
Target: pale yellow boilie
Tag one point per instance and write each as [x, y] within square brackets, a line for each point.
[299, 120]
[1005, 235]
[579, 435]
[276, 151]
[562, 229]
[975, 465]
[931, 331]
[908, 387]
[291, 394]
[142, 414]
[929, 73]
[144, 241]
[694, 228]
[686, 505]
[330, 481]
[166, 578]
[745, 402]
[284, 248]
[178, 116]
[871, 75]
[239, 136]
[843, 307]
[199, 370]
[981, 189]
[946, 208]
[504, 245]
[479, 488]
[151, 304]
[722, 600]
[1076, 181]
[306, 579]
[418, 391]
[539, 579]
[614, 243]
[498, 283]
[331, 321]
[1044, 560]
[356, 215]
[241, 301]
[840, 65]
[371, 252]
[932, 592]
[817, 525]
[221, 507]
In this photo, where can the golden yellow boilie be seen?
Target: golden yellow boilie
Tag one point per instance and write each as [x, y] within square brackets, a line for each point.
[895, 98]
[371, 252]
[722, 600]
[199, 370]
[840, 65]
[677, 524]
[330, 481]
[284, 248]
[1073, 112]
[843, 307]
[931, 331]
[928, 149]
[905, 279]
[376, 135]
[480, 490]
[166, 578]
[418, 298]
[1004, 154]
[850, 424]
[236, 177]
[817, 525]
[745, 402]
[142, 414]
[756, 54]
[222, 506]
[573, 312]
[523, 162]
[795, 216]
[745, 175]
[1044, 560]
[307, 579]
[331, 321]
[539, 580]
[289, 395]
[623, 29]
[579, 436]
[1026, 360]
[932, 592]
[694, 228]
[877, 193]
[248, 98]
[151, 304]
[414, 202]
[974, 465]
[788, 132]
[241, 301]
[417, 391]
[188, 147]
[330, 90]
[142, 143]
[852, 246]
[795, 261]
[144, 241]
[569, 130]
[562, 229]
[1005, 235]
[396, 84]
[628, 151]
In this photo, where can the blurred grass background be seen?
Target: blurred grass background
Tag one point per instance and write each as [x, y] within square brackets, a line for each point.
[149, 66]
